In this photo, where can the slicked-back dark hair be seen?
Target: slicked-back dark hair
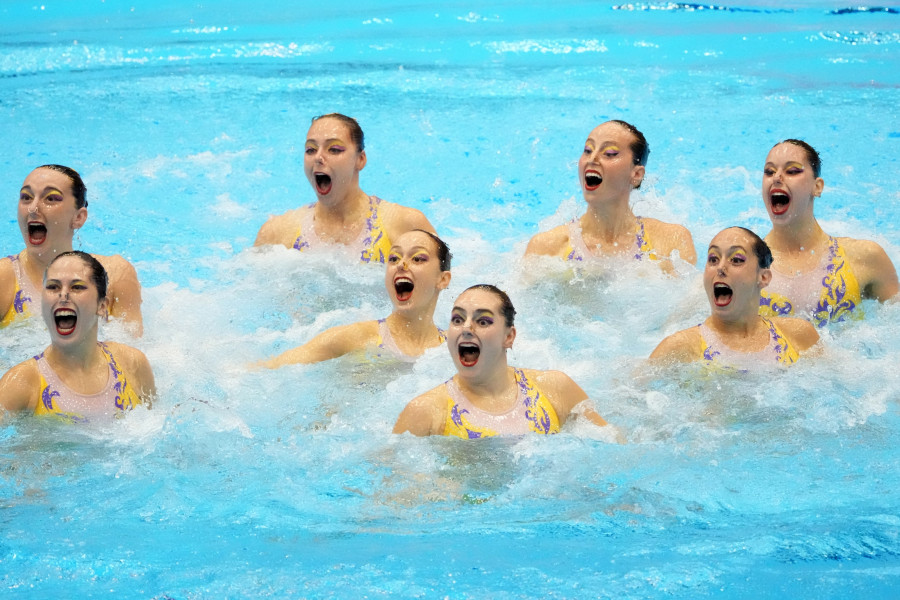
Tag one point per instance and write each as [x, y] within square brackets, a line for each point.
[506, 305]
[78, 188]
[356, 132]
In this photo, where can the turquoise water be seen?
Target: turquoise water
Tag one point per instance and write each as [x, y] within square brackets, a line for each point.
[187, 121]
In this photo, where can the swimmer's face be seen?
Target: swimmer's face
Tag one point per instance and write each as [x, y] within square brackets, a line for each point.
[47, 214]
[478, 336]
[732, 277]
[606, 167]
[331, 160]
[70, 302]
[788, 184]
[413, 275]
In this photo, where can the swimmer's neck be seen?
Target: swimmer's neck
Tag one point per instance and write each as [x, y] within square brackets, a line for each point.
[737, 329]
[417, 329]
[494, 392]
[82, 358]
[796, 240]
[607, 222]
[34, 262]
[341, 212]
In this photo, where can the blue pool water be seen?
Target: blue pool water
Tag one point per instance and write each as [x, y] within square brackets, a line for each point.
[187, 121]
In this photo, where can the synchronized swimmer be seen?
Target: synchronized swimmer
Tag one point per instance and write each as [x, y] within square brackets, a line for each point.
[738, 267]
[487, 397]
[52, 206]
[613, 164]
[77, 378]
[816, 276]
[416, 271]
[343, 215]
[753, 287]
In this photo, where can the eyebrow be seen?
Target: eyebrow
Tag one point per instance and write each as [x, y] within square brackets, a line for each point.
[731, 249]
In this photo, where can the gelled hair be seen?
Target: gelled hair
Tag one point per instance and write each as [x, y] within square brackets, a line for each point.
[98, 273]
[78, 188]
[443, 251]
[356, 132]
[815, 161]
[506, 305]
[760, 249]
[640, 149]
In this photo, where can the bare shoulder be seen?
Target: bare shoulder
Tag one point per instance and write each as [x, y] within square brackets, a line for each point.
[872, 267]
[681, 346]
[553, 242]
[425, 414]
[399, 219]
[20, 387]
[669, 237]
[281, 229]
[800, 332]
[117, 268]
[129, 357]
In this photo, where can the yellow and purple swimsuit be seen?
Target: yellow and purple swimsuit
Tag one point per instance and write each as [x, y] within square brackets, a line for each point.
[59, 401]
[26, 295]
[828, 293]
[532, 412]
[777, 352]
[578, 250]
[372, 244]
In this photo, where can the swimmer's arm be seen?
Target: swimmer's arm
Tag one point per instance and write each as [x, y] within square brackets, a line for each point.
[19, 387]
[875, 271]
[800, 332]
[424, 415]
[329, 344]
[548, 243]
[124, 293]
[678, 347]
[137, 368]
[279, 229]
[400, 219]
[7, 286]
[564, 394]
[684, 243]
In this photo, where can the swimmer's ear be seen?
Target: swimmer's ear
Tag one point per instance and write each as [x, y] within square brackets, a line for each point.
[361, 161]
[103, 308]
[637, 176]
[444, 281]
[510, 338]
[820, 185]
[765, 277]
[80, 217]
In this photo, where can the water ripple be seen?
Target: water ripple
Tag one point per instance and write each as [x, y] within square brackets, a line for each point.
[692, 7]
[862, 38]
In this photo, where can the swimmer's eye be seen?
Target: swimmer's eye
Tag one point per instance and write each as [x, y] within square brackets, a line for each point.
[611, 152]
[456, 320]
[79, 287]
[336, 149]
[712, 259]
[393, 258]
[53, 198]
[485, 321]
[794, 171]
[25, 197]
[769, 171]
[51, 286]
[310, 150]
[420, 258]
[588, 149]
[738, 259]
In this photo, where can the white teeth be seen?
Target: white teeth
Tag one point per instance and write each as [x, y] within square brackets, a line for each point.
[64, 312]
[403, 280]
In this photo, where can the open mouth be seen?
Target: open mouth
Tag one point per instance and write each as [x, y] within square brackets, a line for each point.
[722, 294]
[323, 183]
[403, 286]
[65, 320]
[468, 354]
[37, 233]
[592, 179]
[780, 202]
